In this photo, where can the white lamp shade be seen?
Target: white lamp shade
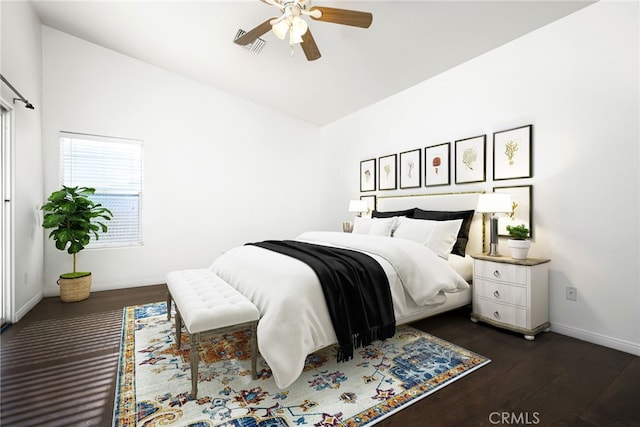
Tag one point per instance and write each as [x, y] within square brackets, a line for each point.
[358, 206]
[280, 29]
[494, 203]
[299, 27]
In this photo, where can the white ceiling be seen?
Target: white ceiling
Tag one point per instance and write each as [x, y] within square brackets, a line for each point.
[408, 42]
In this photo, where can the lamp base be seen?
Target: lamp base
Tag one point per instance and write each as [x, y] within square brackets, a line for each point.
[493, 245]
[493, 250]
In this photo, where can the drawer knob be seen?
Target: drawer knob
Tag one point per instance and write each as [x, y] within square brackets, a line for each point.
[496, 314]
[496, 274]
[496, 294]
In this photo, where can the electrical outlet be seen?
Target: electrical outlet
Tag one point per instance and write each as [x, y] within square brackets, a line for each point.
[572, 293]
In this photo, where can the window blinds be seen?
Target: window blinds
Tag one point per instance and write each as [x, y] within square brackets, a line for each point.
[113, 167]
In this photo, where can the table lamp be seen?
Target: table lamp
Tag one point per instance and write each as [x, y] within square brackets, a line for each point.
[358, 207]
[494, 204]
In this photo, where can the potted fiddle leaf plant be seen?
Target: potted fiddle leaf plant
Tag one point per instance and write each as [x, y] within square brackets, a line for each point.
[519, 244]
[74, 218]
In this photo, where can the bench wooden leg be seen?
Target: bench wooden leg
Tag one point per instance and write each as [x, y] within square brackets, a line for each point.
[178, 329]
[194, 339]
[168, 305]
[254, 349]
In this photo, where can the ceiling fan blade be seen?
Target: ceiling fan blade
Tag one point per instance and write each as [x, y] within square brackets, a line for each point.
[252, 35]
[310, 47]
[342, 16]
[273, 3]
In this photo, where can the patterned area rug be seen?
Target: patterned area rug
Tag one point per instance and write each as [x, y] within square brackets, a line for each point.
[154, 383]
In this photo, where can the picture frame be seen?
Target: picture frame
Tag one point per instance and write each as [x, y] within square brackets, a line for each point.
[512, 150]
[371, 204]
[411, 169]
[368, 175]
[522, 208]
[387, 172]
[470, 159]
[437, 165]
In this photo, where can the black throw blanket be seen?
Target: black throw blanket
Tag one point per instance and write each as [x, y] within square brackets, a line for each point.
[355, 288]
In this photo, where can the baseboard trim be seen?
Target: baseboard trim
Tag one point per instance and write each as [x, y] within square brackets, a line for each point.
[97, 287]
[53, 291]
[603, 340]
[19, 314]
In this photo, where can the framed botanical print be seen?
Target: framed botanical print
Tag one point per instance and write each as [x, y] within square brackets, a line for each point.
[368, 175]
[411, 169]
[437, 163]
[371, 204]
[470, 158]
[387, 172]
[512, 153]
[521, 208]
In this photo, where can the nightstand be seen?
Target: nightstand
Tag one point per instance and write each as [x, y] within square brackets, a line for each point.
[511, 293]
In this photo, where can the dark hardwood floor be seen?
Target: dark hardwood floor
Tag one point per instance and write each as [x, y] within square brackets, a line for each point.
[59, 368]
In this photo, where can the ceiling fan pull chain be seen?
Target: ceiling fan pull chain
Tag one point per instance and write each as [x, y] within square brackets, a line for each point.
[291, 43]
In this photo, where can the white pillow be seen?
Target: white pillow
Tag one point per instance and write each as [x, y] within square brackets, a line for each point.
[444, 236]
[382, 226]
[439, 236]
[374, 226]
[417, 230]
[361, 225]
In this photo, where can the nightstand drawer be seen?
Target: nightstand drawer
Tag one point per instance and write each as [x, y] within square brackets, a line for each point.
[499, 292]
[501, 272]
[500, 313]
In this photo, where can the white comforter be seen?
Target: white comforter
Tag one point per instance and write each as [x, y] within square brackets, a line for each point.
[294, 318]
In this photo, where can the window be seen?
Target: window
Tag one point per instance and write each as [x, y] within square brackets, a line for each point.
[113, 166]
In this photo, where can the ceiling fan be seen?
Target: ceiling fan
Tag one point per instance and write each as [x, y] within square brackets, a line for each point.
[291, 21]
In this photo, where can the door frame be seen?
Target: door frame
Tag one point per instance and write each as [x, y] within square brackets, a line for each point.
[7, 299]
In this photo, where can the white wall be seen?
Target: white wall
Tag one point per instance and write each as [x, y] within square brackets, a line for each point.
[21, 65]
[218, 171]
[576, 81]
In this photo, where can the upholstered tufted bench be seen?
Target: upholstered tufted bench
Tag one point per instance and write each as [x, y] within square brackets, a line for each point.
[207, 305]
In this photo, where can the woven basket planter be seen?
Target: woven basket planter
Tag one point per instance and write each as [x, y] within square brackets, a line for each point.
[75, 289]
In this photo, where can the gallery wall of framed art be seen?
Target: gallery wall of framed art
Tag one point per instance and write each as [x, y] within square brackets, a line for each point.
[463, 161]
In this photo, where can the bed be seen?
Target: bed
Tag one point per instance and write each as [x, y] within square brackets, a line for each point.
[295, 320]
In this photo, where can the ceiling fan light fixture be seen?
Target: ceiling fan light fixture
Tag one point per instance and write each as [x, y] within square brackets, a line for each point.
[298, 27]
[280, 29]
[290, 22]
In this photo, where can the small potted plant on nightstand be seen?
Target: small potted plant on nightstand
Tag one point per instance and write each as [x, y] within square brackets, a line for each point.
[74, 218]
[519, 245]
